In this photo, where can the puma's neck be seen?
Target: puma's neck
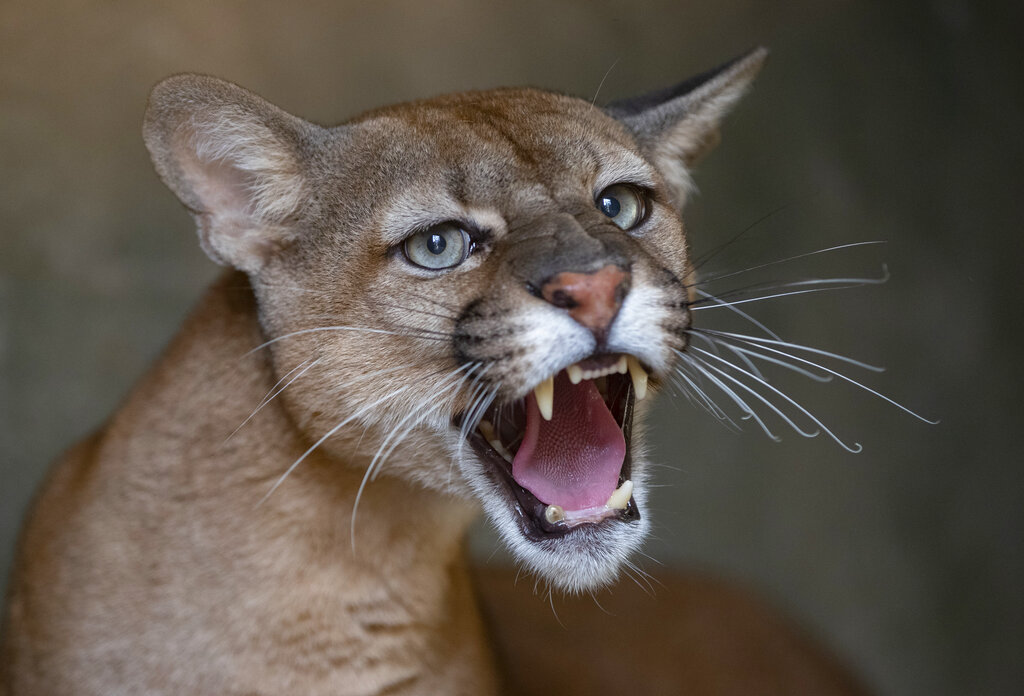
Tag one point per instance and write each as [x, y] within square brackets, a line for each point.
[287, 590]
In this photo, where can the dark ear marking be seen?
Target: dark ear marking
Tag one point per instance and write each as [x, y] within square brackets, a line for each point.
[631, 106]
[675, 127]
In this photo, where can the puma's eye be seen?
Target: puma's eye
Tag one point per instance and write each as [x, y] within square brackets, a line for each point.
[441, 246]
[623, 203]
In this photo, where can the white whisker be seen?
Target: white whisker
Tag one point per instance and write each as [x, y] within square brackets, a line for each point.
[740, 312]
[855, 449]
[363, 329]
[846, 284]
[329, 433]
[760, 397]
[706, 402]
[737, 399]
[777, 262]
[796, 346]
[829, 370]
[397, 434]
[274, 391]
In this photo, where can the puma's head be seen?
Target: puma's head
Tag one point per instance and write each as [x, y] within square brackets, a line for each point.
[479, 292]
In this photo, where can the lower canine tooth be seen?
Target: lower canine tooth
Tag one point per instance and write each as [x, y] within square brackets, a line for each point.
[545, 395]
[500, 449]
[639, 376]
[620, 498]
[554, 513]
[486, 429]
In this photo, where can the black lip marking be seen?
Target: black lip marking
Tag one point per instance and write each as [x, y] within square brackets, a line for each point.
[528, 509]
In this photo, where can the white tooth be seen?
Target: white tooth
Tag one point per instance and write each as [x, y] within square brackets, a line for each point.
[621, 365]
[554, 513]
[639, 375]
[545, 394]
[487, 430]
[620, 498]
[575, 373]
[500, 449]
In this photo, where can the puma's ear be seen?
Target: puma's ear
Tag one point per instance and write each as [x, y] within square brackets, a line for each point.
[234, 160]
[677, 126]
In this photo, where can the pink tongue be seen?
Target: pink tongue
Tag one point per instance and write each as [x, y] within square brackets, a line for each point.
[574, 459]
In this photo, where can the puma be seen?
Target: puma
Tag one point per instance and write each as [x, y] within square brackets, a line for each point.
[437, 308]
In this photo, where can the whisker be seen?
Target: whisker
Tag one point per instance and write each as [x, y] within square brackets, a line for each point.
[706, 402]
[737, 399]
[711, 279]
[746, 361]
[416, 310]
[796, 346]
[454, 309]
[781, 363]
[856, 449]
[601, 83]
[272, 394]
[743, 354]
[850, 283]
[639, 576]
[463, 433]
[753, 392]
[329, 433]
[381, 455]
[409, 330]
[479, 402]
[740, 312]
[332, 328]
[830, 371]
[476, 390]
[707, 256]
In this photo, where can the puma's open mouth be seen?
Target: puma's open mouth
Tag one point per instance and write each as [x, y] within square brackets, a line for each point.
[562, 453]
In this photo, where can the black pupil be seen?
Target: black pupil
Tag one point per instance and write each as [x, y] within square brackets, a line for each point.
[610, 206]
[436, 244]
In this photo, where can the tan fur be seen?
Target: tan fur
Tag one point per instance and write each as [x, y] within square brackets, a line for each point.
[149, 568]
[168, 554]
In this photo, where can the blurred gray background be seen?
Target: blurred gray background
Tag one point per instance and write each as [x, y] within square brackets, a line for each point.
[872, 121]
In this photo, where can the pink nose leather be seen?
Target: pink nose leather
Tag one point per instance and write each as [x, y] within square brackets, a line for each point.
[593, 299]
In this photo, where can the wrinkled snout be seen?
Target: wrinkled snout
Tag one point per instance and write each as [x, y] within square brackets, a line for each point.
[577, 263]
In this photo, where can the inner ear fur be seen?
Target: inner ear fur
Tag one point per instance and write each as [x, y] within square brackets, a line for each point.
[234, 160]
[677, 126]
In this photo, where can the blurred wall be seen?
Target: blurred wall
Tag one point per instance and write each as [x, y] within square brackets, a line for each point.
[872, 121]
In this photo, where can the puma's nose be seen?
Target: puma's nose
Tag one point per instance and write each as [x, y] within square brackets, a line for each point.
[593, 299]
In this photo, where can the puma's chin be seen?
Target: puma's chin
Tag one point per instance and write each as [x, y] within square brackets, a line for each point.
[560, 475]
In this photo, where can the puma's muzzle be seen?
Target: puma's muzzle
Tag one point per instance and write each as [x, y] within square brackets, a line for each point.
[561, 455]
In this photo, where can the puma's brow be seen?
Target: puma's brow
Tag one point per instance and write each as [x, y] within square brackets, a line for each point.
[408, 213]
[411, 212]
[624, 167]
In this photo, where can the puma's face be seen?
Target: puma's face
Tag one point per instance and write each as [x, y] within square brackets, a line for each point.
[479, 293]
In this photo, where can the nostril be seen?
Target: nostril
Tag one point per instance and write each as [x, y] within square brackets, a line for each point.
[562, 299]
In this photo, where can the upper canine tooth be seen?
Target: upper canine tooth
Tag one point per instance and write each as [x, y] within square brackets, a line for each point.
[575, 373]
[639, 376]
[621, 366]
[545, 395]
[620, 498]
